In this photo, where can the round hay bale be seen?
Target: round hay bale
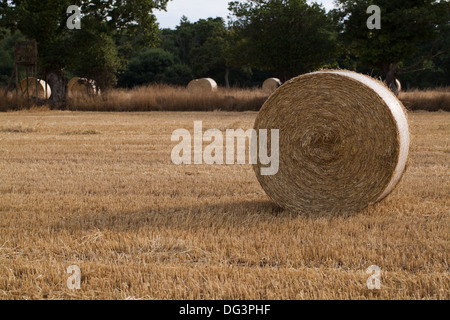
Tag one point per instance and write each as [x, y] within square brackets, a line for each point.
[202, 85]
[344, 142]
[81, 87]
[30, 84]
[271, 84]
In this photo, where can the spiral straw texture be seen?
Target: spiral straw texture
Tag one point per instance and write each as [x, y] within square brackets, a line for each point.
[344, 142]
[202, 85]
[271, 84]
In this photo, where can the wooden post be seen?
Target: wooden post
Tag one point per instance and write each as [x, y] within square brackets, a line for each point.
[26, 55]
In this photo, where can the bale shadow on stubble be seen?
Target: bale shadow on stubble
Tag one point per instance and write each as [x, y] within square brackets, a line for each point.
[230, 215]
[173, 217]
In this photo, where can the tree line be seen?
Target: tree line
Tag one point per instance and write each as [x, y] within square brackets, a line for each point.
[120, 43]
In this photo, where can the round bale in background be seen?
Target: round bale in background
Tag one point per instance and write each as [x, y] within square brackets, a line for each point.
[344, 142]
[202, 85]
[396, 87]
[271, 84]
[29, 84]
[399, 85]
[81, 87]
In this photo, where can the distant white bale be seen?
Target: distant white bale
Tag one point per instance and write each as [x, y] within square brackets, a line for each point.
[29, 84]
[271, 84]
[202, 85]
[396, 87]
[80, 87]
[399, 85]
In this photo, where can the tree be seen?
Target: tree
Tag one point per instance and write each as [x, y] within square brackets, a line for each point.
[432, 72]
[7, 56]
[288, 37]
[94, 54]
[155, 65]
[405, 24]
[201, 45]
[207, 47]
[45, 22]
[209, 57]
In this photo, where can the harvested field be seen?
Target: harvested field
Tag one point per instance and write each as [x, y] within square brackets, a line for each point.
[99, 190]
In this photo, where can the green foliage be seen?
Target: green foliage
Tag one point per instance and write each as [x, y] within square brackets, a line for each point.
[430, 72]
[93, 54]
[205, 46]
[288, 37]
[200, 45]
[405, 24]
[7, 56]
[90, 51]
[155, 65]
[266, 38]
[43, 21]
[208, 56]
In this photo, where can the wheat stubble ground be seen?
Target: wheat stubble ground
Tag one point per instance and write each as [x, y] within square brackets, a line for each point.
[99, 191]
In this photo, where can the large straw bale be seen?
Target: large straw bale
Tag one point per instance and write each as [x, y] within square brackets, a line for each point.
[344, 142]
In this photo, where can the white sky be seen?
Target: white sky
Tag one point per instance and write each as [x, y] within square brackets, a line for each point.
[201, 9]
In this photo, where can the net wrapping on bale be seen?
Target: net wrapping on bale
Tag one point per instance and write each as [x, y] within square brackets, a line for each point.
[396, 87]
[29, 84]
[344, 142]
[81, 87]
[202, 85]
[271, 84]
[399, 85]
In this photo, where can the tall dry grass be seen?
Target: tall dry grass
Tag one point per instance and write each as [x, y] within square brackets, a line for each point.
[169, 98]
[429, 100]
[9, 101]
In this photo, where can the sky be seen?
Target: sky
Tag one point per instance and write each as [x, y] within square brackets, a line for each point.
[201, 9]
